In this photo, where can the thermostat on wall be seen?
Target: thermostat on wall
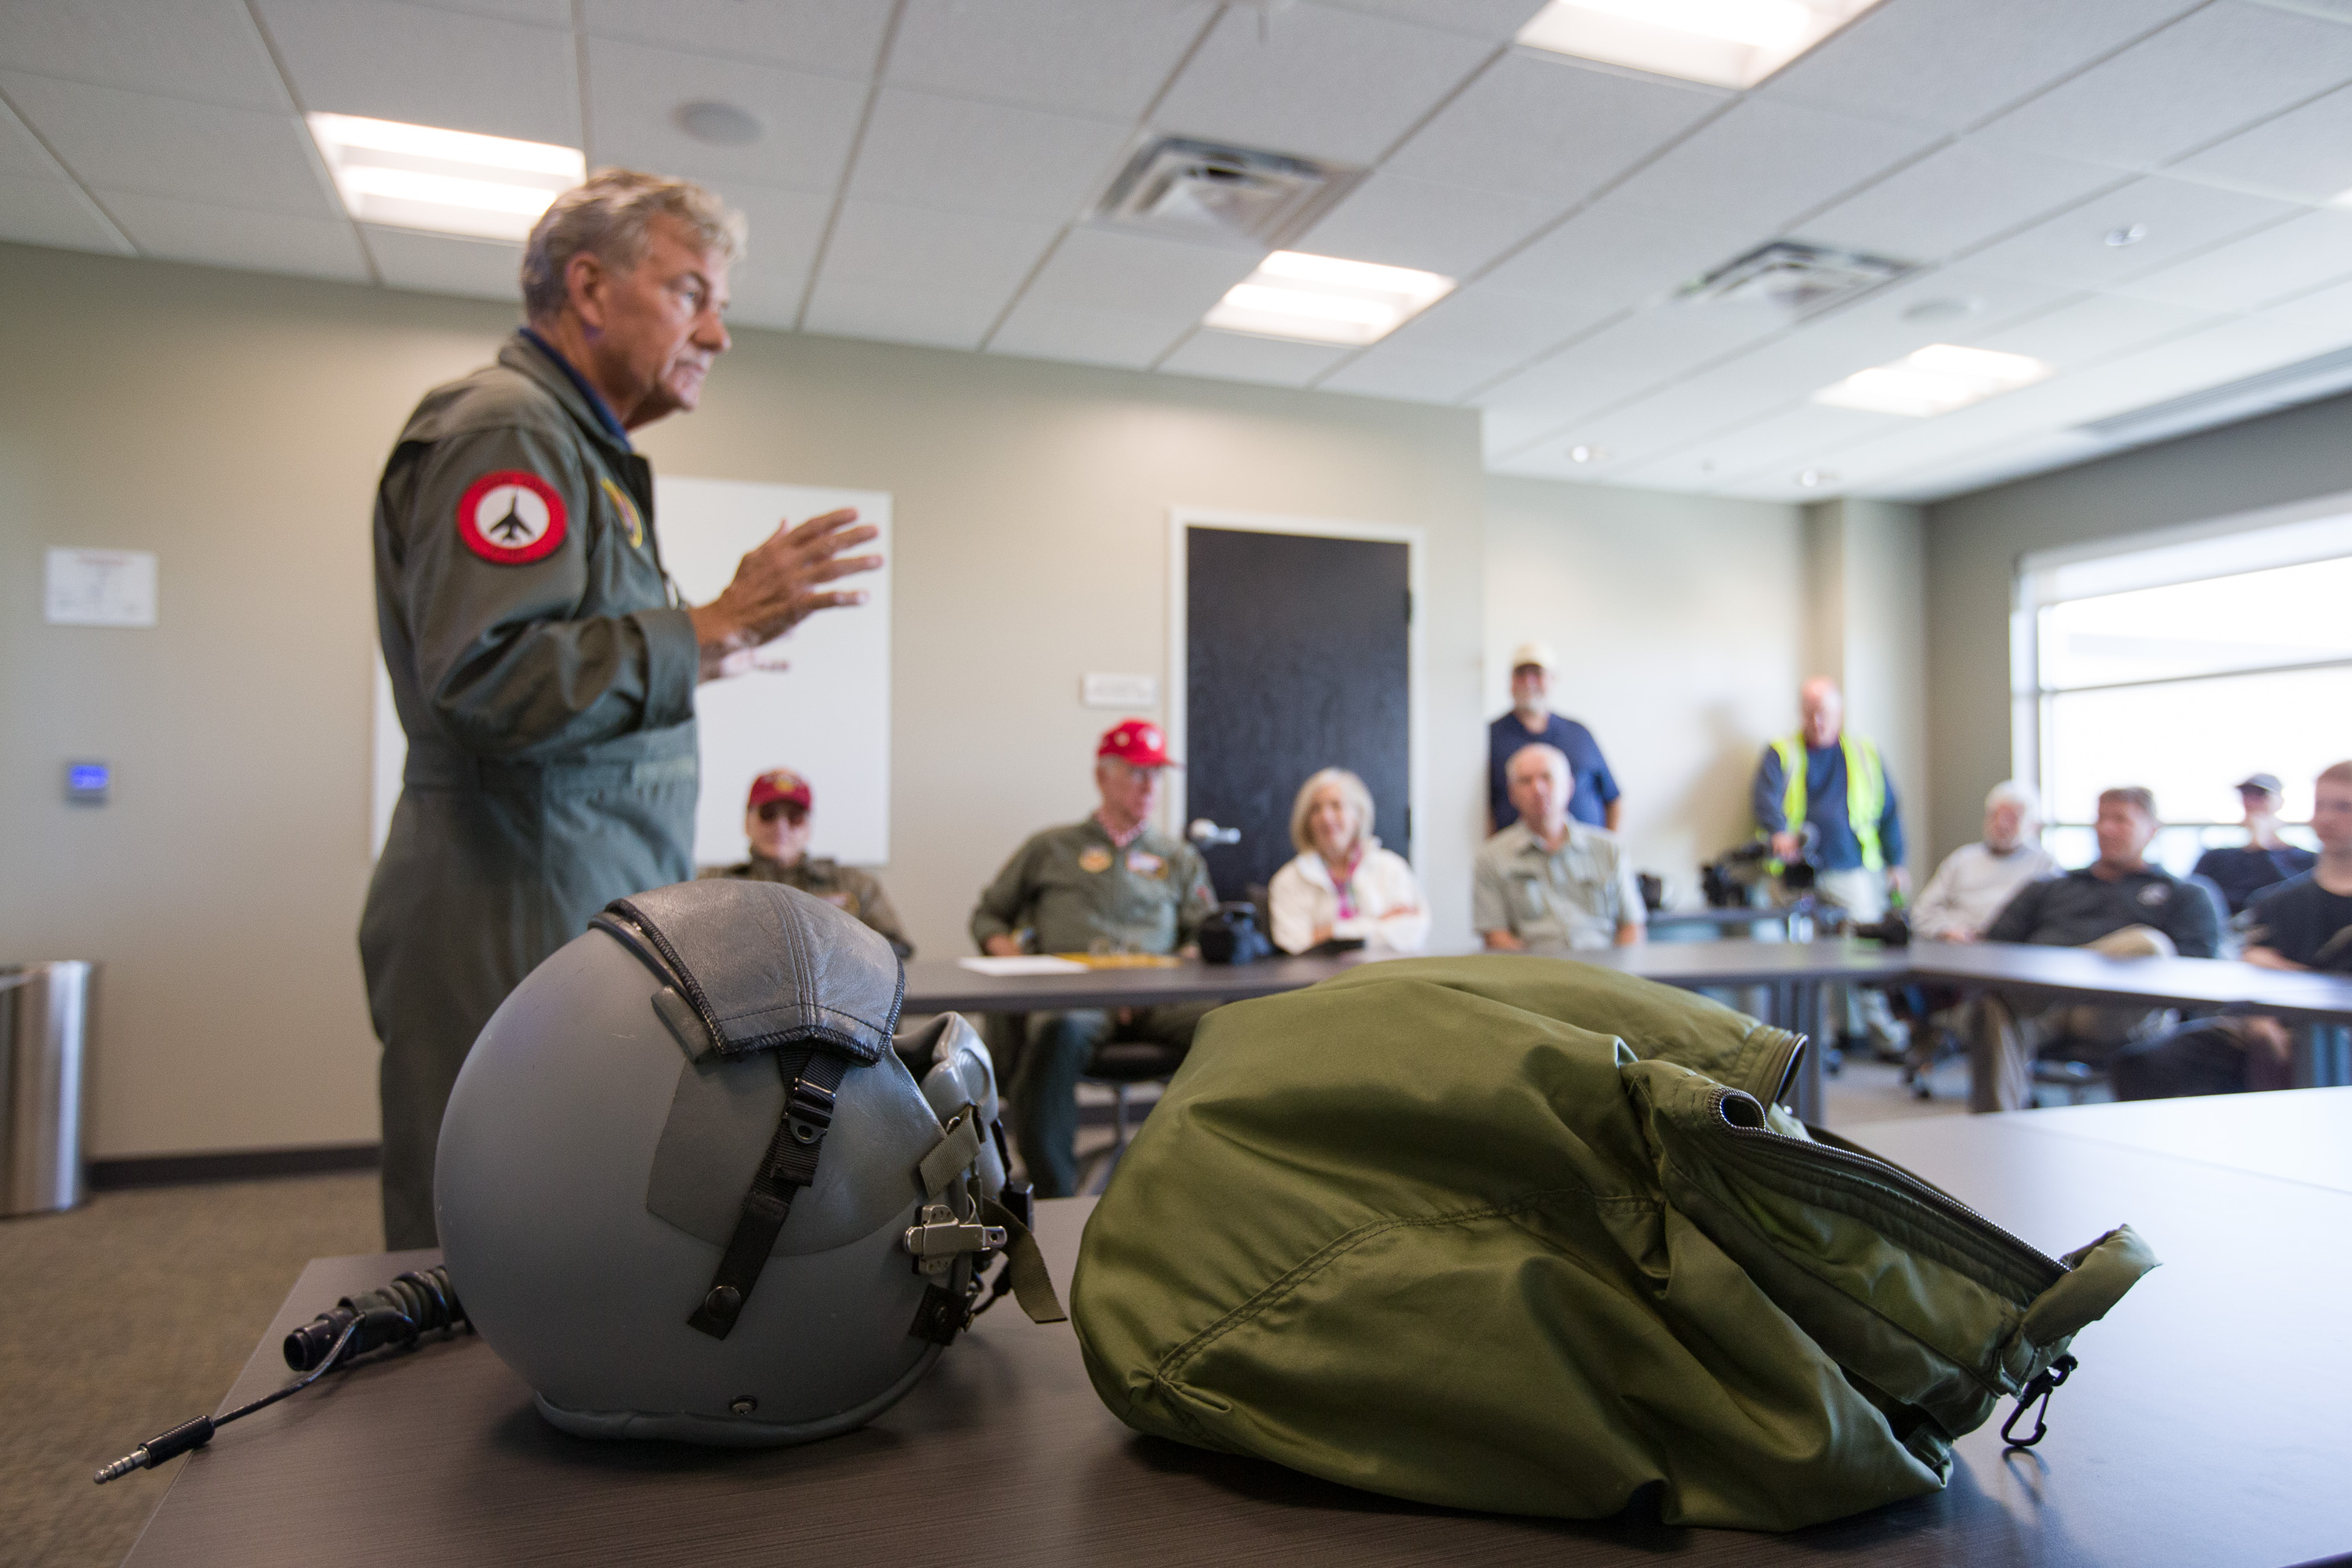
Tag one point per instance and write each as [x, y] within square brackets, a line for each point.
[87, 783]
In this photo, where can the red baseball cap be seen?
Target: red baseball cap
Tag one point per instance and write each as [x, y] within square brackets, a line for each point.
[779, 784]
[1138, 743]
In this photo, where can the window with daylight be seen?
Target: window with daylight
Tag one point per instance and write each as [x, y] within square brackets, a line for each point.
[2185, 663]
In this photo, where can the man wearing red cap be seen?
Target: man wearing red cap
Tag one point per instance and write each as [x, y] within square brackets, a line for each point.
[776, 820]
[1109, 884]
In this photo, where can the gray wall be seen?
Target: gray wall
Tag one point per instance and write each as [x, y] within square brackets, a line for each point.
[1865, 569]
[1680, 622]
[236, 424]
[1974, 542]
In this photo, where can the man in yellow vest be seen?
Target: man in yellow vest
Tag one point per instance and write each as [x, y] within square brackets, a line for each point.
[1835, 783]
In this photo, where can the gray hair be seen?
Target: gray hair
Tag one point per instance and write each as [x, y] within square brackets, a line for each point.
[2018, 794]
[1351, 790]
[607, 217]
[1557, 758]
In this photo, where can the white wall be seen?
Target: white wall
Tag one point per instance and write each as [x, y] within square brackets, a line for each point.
[1680, 622]
[1866, 629]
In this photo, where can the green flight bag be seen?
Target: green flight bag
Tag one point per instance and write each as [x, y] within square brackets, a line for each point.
[1531, 1236]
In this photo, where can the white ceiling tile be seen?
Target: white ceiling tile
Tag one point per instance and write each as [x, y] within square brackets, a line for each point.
[1949, 63]
[2180, 217]
[169, 146]
[546, 13]
[1384, 372]
[1621, 361]
[1956, 196]
[2088, 327]
[1133, 274]
[216, 235]
[2204, 77]
[2304, 155]
[765, 294]
[1234, 356]
[1088, 337]
[1610, 255]
[1090, 56]
[1498, 21]
[428, 67]
[204, 50]
[21, 153]
[1493, 328]
[1763, 161]
[54, 212]
[1788, 440]
[1546, 127]
[786, 225]
[1404, 222]
[983, 157]
[918, 250]
[1322, 84]
[855, 309]
[841, 36]
[633, 91]
[2322, 316]
[444, 264]
[2288, 259]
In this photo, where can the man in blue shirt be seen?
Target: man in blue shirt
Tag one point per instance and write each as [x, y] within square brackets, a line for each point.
[2265, 860]
[1531, 722]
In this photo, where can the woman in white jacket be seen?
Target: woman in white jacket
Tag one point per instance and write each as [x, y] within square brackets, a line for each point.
[1343, 884]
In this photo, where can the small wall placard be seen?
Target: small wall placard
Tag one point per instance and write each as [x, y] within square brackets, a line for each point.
[100, 588]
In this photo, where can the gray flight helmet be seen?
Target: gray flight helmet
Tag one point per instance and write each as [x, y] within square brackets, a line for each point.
[603, 1158]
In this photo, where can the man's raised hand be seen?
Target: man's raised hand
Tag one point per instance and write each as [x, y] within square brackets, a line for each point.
[780, 584]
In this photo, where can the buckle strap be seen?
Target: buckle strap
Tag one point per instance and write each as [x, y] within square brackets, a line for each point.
[811, 1076]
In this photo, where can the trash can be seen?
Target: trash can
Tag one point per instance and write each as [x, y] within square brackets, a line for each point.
[44, 1034]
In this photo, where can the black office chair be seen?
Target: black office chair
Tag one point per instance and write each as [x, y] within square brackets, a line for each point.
[1121, 1065]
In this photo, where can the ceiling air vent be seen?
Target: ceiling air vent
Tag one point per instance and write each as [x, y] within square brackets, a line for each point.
[1200, 191]
[1797, 280]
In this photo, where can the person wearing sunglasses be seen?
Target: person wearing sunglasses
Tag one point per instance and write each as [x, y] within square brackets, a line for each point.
[776, 819]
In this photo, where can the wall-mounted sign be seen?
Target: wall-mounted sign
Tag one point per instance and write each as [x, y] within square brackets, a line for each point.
[100, 588]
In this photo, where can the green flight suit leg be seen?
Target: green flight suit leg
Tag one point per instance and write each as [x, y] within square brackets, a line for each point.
[1045, 1094]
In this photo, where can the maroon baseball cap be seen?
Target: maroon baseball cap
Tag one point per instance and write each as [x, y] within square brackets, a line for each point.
[1138, 743]
[779, 784]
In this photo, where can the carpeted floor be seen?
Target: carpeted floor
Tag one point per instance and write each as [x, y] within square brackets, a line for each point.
[129, 1316]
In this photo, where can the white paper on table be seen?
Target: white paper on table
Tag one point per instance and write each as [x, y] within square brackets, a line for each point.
[1023, 963]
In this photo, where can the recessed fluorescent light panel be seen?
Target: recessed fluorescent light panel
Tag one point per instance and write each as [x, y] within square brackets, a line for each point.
[1323, 300]
[1936, 380]
[447, 181]
[1724, 43]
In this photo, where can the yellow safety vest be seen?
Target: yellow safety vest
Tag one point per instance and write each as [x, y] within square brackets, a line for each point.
[1865, 791]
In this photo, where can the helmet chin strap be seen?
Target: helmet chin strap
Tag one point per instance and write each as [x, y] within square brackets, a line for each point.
[811, 1078]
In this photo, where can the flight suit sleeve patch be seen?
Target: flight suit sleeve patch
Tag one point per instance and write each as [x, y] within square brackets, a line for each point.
[511, 518]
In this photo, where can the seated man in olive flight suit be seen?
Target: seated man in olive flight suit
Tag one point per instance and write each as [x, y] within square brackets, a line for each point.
[1109, 884]
[776, 820]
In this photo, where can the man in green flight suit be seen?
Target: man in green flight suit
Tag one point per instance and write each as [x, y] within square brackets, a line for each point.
[542, 665]
[1109, 884]
[776, 819]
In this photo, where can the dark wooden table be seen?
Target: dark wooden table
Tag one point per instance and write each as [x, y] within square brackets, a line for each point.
[2205, 1427]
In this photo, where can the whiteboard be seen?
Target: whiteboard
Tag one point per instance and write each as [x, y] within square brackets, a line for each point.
[827, 715]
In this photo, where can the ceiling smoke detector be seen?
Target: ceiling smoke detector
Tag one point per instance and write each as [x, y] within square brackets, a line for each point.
[1200, 191]
[1797, 280]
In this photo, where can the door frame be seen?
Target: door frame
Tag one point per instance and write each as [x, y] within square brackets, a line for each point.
[1417, 542]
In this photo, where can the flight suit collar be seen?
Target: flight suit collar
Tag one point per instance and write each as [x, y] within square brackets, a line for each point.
[537, 358]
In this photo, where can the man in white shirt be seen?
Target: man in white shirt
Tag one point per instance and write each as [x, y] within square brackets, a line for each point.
[1976, 881]
[1549, 883]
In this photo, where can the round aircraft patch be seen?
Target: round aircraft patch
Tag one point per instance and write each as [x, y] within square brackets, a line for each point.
[511, 518]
